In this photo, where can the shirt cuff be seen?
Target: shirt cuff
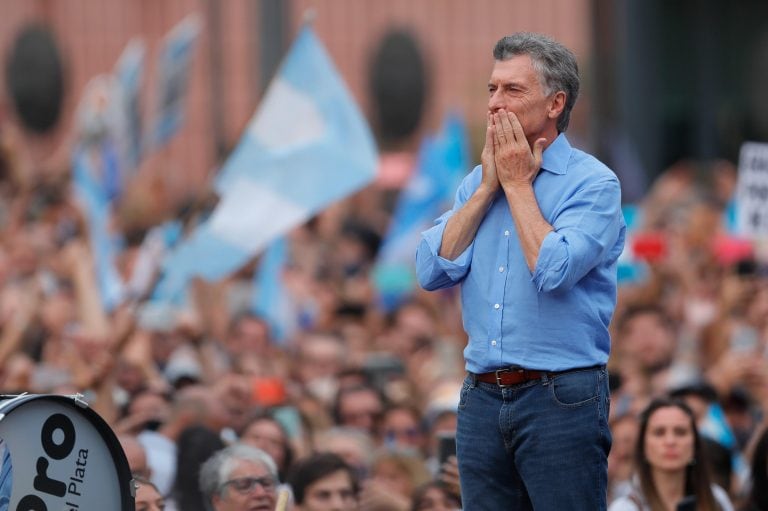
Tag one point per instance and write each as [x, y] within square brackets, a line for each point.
[455, 269]
[552, 258]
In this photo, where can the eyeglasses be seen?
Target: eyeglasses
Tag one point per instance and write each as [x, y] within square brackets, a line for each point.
[410, 433]
[245, 485]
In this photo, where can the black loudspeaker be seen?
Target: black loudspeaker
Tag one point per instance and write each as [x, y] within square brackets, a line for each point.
[398, 82]
[34, 76]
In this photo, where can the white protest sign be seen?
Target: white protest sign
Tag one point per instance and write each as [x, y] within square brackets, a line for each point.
[752, 190]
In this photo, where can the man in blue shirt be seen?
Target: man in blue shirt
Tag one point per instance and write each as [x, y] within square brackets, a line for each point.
[532, 239]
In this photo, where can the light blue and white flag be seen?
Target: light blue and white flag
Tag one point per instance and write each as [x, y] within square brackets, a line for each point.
[630, 269]
[270, 299]
[97, 209]
[96, 178]
[129, 72]
[306, 147]
[442, 163]
[100, 122]
[173, 75]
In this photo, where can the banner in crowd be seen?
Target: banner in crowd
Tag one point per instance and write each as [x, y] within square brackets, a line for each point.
[632, 267]
[442, 163]
[173, 75]
[129, 72]
[97, 180]
[98, 214]
[306, 147]
[752, 191]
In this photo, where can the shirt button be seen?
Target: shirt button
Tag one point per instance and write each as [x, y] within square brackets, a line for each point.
[506, 233]
[493, 342]
[496, 306]
[501, 269]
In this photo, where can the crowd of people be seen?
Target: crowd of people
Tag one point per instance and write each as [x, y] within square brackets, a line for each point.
[179, 383]
[213, 408]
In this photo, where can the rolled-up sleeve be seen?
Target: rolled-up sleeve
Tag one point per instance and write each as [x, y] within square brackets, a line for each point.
[435, 272]
[586, 229]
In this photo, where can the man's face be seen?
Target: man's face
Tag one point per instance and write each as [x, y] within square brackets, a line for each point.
[360, 409]
[242, 492]
[267, 436]
[333, 492]
[249, 335]
[649, 341]
[514, 86]
[401, 428]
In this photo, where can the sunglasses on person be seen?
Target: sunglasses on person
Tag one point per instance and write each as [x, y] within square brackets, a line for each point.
[245, 485]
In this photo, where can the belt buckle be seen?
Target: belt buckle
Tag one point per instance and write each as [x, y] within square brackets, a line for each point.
[498, 377]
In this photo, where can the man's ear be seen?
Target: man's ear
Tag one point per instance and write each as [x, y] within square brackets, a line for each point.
[557, 105]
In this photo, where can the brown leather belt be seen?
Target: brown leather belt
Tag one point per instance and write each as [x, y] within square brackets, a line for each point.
[510, 376]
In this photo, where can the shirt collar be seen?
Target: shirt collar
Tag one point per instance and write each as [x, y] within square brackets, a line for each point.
[556, 156]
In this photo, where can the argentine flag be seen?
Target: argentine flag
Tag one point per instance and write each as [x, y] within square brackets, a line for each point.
[442, 163]
[174, 68]
[97, 211]
[306, 147]
[129, 72]
[270, 299]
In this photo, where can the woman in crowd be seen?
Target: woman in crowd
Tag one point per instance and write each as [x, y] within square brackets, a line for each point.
[195, 444]
[264, 431]
[670, 472]
[147, 496]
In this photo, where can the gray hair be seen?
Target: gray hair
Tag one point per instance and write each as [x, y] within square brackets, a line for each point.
[555, 64]
[217, 469]
[360, 437]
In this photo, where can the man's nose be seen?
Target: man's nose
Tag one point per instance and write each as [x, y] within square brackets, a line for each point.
[336, 503]
[259, 490]
[495, 102]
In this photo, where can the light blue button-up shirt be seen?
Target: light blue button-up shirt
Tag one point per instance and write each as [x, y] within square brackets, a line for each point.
[556, 318]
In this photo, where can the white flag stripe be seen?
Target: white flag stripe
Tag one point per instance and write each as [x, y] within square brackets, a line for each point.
[276, 131]
[307, 146]
[246, 216]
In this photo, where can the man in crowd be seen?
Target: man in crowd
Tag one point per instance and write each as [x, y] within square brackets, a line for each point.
[533, 240]
[324, 482]
[240, 477]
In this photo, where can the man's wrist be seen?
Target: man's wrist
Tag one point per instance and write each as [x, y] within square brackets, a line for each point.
[486, 193]
[518, 188]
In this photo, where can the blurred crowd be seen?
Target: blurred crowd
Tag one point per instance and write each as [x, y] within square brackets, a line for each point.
[377, 389]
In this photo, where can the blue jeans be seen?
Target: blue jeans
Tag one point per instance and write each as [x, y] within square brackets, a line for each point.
[539, 445]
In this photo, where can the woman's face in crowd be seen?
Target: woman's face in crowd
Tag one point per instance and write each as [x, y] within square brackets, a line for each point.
[148, 498]
[669, 439]
[267, 436]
